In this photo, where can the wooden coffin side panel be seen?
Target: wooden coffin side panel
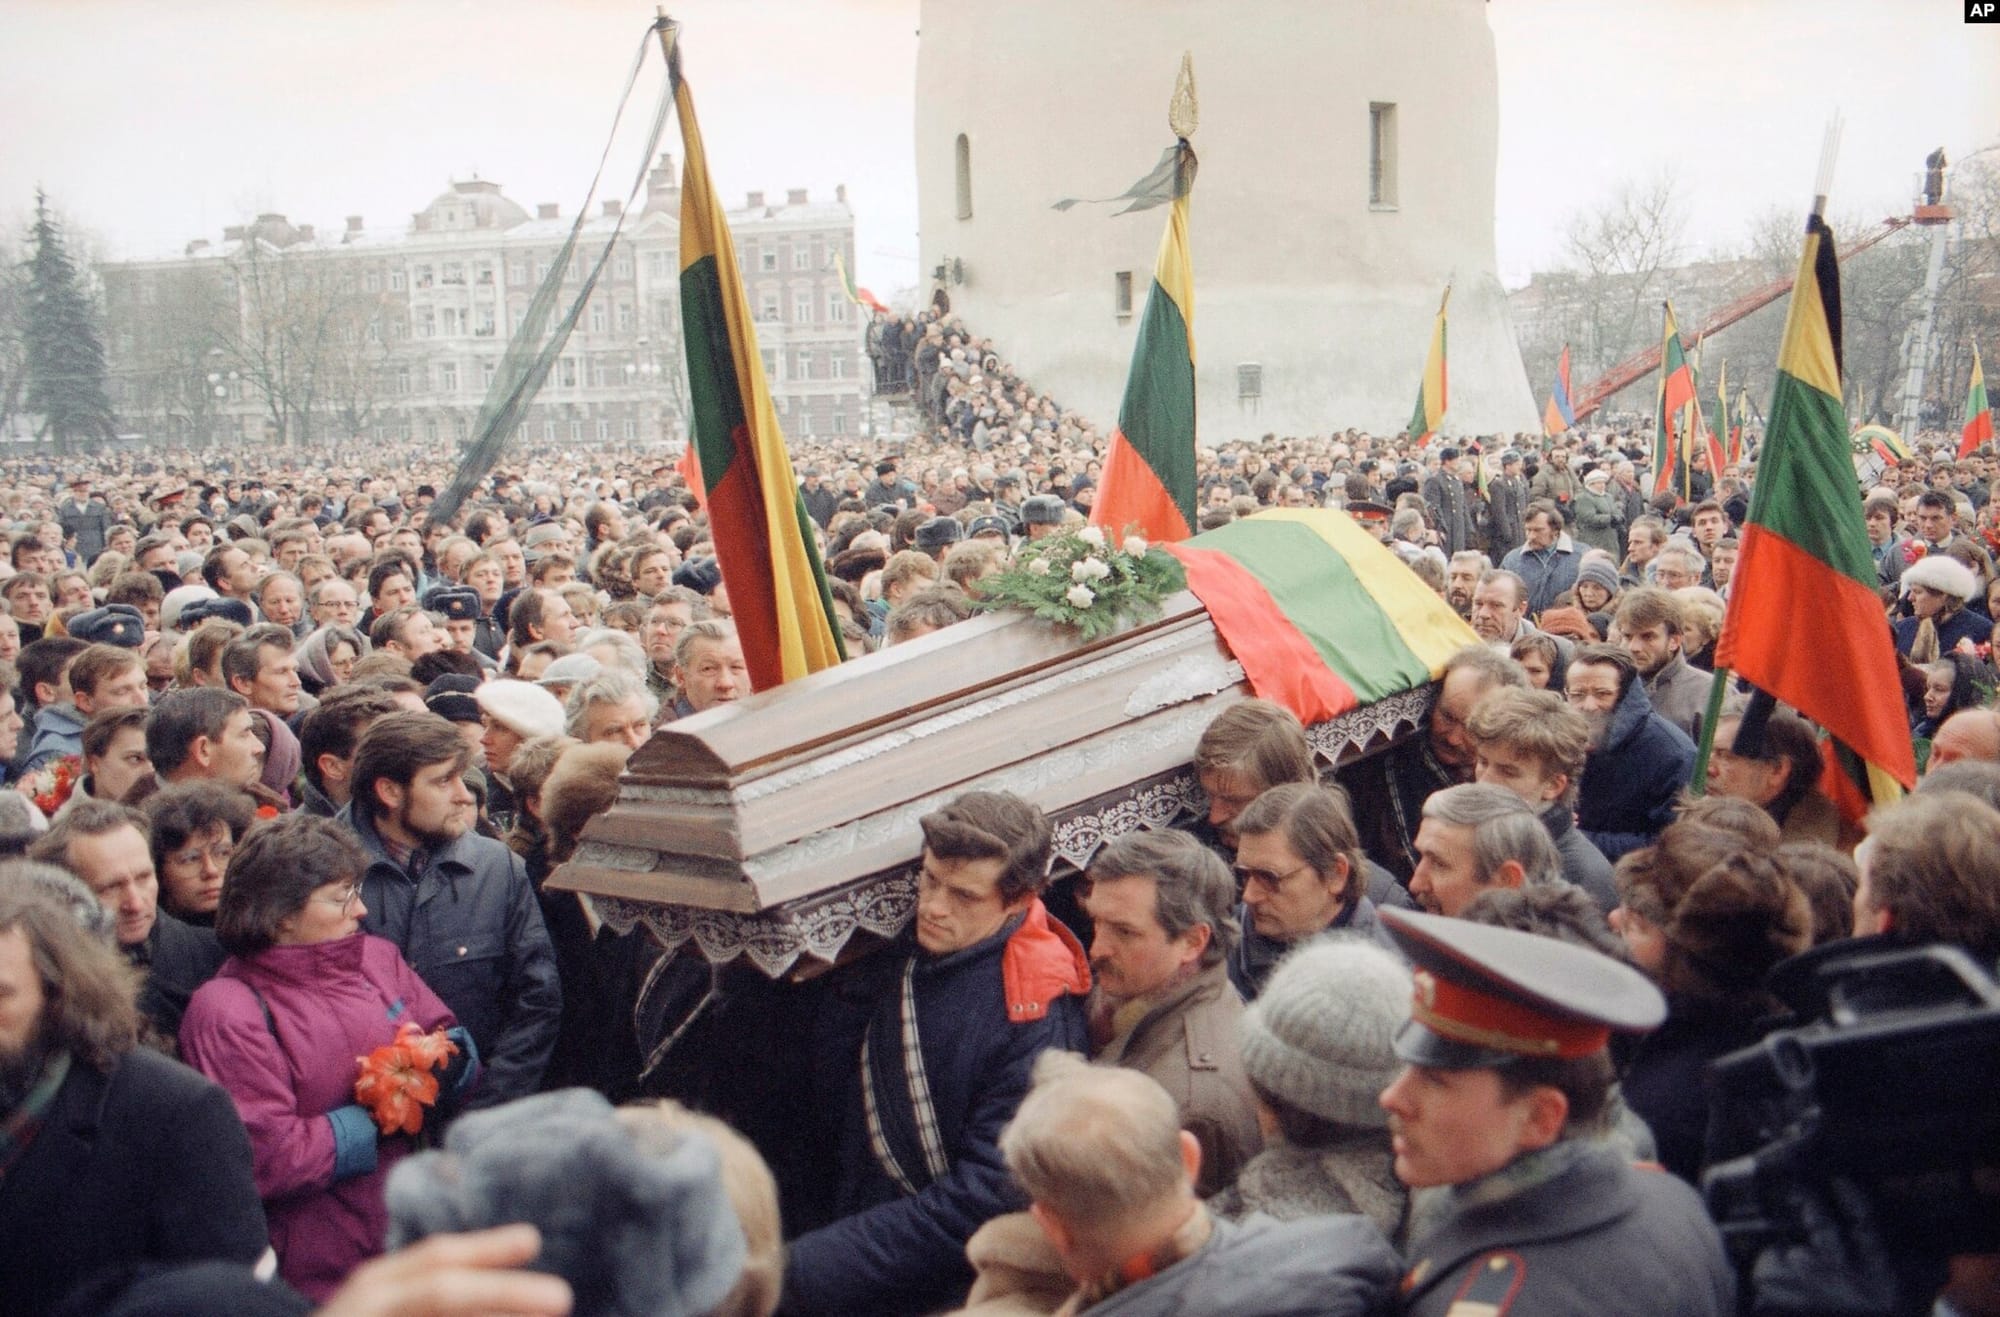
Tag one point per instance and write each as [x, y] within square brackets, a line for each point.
[1090, 721]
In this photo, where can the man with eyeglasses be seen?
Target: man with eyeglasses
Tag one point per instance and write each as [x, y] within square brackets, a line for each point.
[1302, 876]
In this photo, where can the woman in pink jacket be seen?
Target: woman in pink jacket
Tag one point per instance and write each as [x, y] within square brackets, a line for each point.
[283, 1025]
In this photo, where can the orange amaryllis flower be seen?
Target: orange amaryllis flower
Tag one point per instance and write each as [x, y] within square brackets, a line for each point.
[431, 1049]
[398, 1080]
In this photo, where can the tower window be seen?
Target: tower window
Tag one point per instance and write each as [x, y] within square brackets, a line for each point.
[964, 155]
[1121, 294]
[1382, 155]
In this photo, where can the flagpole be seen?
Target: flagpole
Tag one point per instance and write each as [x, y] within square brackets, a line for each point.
[1717, 692]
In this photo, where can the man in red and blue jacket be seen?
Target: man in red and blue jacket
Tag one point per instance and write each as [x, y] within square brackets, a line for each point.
[922, 1057]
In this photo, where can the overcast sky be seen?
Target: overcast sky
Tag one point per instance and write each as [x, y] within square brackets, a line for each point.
[153, 123]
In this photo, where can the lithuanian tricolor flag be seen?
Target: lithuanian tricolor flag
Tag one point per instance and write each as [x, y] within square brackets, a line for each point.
[1804, 622]
[1434, 392]
[1978, 412]
[777, 589]
[1558, 415]
[856, 294]
[1149, 472]
[1322, 615]
[1670, 437]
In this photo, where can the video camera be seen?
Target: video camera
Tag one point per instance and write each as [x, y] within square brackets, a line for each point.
[1893, 1083]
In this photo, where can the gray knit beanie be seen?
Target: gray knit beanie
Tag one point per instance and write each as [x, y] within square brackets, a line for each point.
[1320, 1035]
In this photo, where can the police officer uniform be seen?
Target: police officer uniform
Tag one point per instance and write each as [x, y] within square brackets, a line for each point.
[1571, 1227]
[460, 604]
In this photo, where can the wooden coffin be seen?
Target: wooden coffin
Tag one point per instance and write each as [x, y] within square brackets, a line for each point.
[783, 827]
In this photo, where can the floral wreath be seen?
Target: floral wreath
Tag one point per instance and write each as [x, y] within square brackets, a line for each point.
[1080, 579]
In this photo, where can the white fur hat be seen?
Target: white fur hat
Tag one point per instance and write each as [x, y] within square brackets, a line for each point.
[1945, 575]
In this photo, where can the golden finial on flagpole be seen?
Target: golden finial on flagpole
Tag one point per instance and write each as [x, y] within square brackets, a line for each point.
[1183, 111]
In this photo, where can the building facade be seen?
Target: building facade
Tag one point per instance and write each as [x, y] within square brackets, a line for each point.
[279, 333]
[1347, 155]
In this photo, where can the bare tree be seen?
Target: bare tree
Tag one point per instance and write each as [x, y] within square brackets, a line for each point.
[1621, 253]
[291, 308]
[170, 341]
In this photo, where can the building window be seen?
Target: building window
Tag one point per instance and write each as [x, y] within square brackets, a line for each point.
[569, 374]
[770, 363]
[517, 272]
[426, 325]
[656, 264]
[624, 317]
[603, 428]
[964, 160]
[767, 306]
[597, 317]
[575, 431]
[1382, 155]
[836, 307]
[767, 259]
[597, 374]
[372, 281]
[395, 281]
[802, 308]
[454, 272]
[485, 329]
[802, 257]
[430, 430]
[631, 428]
[840, 423]
[451, 323]
[424, 281]
[836, 366]
[621, 266]
[484, 273]
[802, 365]
[1249, 381]
[548, 432]
[486, 372]
[1121, 294]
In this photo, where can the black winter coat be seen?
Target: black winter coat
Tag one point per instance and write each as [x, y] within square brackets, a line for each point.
[891, 1253]
[147, 1164]
[1632, 784]
[471, 928]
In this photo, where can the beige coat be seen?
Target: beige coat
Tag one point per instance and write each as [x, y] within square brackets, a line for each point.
[1187, 1042]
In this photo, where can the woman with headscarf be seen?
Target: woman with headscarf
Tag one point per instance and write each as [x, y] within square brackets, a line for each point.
[327, 657]
[1950, 684]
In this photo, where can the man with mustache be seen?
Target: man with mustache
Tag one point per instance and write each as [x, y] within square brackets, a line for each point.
[1163, 927]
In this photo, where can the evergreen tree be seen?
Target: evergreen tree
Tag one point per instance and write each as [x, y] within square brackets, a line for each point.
[65, 356]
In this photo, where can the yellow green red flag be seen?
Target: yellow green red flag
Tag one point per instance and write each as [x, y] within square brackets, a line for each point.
[763, 542]
[1978, 412]
[1149, 480]
[1804, 622]
[1434, 392]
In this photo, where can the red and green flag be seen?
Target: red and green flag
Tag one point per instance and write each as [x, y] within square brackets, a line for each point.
[1804, 622]
[1559, 416]
[858, 296]
[1434, 392]
[763, 542]
[1671, 439]
[1149, 480]
[1978, 412]
[1321, 614]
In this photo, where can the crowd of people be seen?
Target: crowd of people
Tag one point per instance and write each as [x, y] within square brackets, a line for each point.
[282, 986]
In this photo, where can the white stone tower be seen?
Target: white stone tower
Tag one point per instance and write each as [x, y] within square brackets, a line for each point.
[1347, 154]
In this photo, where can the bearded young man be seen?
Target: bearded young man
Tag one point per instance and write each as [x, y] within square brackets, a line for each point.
[457, 904]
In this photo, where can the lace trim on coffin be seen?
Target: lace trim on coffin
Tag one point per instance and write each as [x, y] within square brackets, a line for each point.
[820, 928]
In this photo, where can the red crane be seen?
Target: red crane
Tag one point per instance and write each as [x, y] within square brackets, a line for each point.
[1641, 364]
